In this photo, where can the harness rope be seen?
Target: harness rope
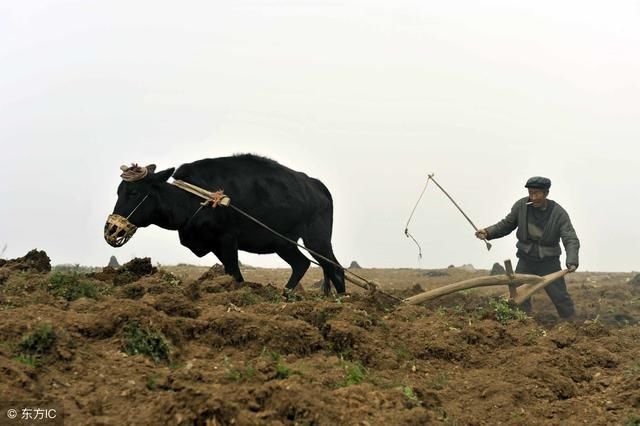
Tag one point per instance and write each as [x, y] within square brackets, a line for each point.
[219, 198]
[136, 207]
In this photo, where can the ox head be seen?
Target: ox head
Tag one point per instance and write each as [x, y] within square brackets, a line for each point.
[137, 201]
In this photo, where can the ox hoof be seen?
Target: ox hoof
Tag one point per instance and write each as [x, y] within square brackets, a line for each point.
[291, 295]
[342, 296]
[326, 290]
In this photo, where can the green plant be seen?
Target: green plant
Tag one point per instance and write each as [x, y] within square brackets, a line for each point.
[104, 289]
[237, 375]
[249, 298]
[532, 337]
[39, 341]
[504, 311]
[273, 295]
[7, 305]
[33, 346]
[633, 421]
[233, 375]
[30, 360]
[409, 393]
[275, 356]
[71, 286]
[515, 414]
[139, 340]
[76, 268]
[355, 372]
[134, 291]
[402, 353]
[124, 277]
[282, 371]
[170, 278]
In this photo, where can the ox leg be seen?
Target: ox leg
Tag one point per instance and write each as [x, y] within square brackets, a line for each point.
[339, 275]
[331, 271]
[326, 284]
[298, 262]
[228, 255]
[318, 239]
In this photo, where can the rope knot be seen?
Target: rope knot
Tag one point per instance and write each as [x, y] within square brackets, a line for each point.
[217, 198]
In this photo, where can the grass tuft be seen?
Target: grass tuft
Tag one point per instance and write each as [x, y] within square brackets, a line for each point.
[71, 286]
[502, 310]
[355, 372]
[39, 341]
[409, 393]
[33, 346]
[139, 340]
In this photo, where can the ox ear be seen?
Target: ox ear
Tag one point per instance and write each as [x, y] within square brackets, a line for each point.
[164, 175]
[151, 168]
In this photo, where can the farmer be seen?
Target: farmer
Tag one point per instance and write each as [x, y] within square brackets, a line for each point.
[541, 224]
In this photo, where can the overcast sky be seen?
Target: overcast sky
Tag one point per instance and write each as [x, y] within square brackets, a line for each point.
[368, 96]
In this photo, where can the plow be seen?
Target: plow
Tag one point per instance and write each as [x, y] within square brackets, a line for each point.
[521, 286]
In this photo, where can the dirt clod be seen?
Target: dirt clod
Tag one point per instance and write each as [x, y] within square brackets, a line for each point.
[34, 261]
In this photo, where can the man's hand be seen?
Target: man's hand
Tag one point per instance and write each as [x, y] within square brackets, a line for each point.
[572, 268]
[482, 234]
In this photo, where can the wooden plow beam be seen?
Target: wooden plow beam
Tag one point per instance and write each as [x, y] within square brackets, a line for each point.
[530, 285]
[529, 289]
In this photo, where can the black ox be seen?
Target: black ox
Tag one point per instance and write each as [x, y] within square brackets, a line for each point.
[290, 202]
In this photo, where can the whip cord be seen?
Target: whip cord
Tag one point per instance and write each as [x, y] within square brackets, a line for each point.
[406, 228]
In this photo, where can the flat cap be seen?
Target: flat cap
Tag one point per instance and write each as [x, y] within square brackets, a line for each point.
[538, 182]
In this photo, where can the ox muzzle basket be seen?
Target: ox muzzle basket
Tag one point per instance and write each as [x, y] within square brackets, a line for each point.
[118, 230]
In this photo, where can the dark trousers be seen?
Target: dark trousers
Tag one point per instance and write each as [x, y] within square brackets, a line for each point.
[557, 290]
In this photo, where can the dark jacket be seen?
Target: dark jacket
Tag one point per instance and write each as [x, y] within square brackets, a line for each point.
[558, 227]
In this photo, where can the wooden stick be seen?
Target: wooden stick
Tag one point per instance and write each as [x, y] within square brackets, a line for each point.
[513, 293]
[357, 282]
[528, 290]
[518, 279]
[487, 243]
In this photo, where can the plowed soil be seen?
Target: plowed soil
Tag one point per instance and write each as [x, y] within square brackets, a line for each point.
[243, 355]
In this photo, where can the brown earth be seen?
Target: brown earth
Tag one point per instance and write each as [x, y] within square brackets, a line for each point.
[243, 355]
